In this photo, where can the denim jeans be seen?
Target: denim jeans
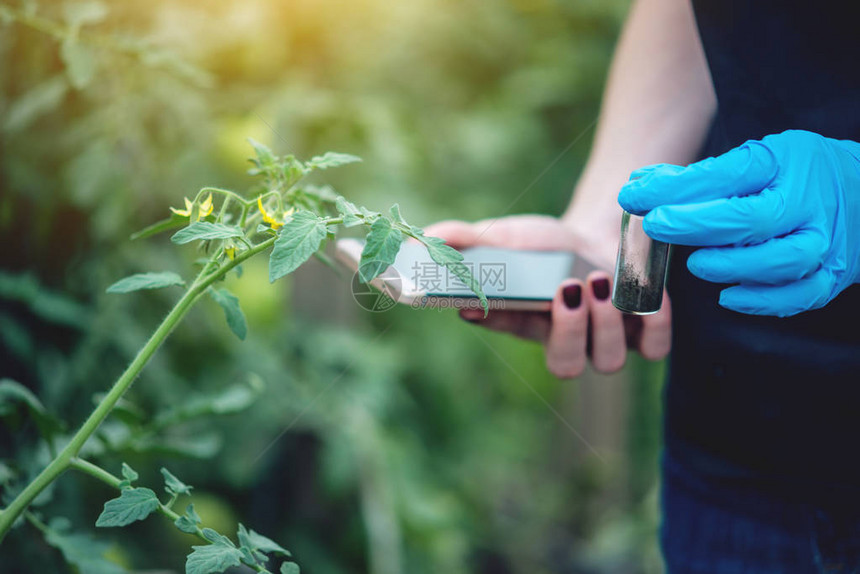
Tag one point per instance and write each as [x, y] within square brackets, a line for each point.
[728, 526]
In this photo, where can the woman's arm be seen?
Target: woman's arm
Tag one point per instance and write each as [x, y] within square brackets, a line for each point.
[657, 108]
[658, 105]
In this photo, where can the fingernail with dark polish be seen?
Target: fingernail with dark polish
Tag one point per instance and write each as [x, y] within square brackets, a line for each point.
[572, 295]
[601, 288]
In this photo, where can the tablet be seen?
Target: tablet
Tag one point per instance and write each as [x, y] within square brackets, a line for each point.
[511, 279]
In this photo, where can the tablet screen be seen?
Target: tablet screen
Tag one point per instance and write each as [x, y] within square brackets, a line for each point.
[502, 273]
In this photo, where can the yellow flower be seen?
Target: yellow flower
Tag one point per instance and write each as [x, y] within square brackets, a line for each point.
[204, 209]
[183, 212]
[274, 223]
[206, 206]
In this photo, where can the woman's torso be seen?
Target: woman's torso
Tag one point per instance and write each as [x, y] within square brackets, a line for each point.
[764, 398]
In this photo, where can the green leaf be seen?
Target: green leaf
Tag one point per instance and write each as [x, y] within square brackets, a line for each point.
[171, 222]
[440, 252]
[12, 392]
[132, 505]
[185, 524]
[290, 568]
[201, 445]
[265, 159]
[380, 249]
[192, 514]
[396, 215]
[299, 238]
[80, 62]
[250, 558]
[205, 230]
[215, 557]
[129, 475]
[167, 60]
[292, 169]
[233, 399]
[216, 537]
[7, 474]
[173, 485]
[256, 541]
[264, 153]
[369, 215]
[82, 550]
[323, 193]
[452, 259]
[48, 305]
[331, 159]
[232, 312]
[33, 104]
[189, 521]
[351, 214]
[140, 281]
[17, 339]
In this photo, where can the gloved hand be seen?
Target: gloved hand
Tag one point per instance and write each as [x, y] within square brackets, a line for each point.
[780, 216]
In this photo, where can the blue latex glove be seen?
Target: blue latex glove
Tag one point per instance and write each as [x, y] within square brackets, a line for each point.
[780, 216]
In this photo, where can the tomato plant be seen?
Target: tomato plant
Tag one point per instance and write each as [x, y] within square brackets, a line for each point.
[291, 220]
[283, 215]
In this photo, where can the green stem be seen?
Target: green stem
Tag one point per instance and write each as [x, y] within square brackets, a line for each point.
[98, 472]
[60, 463]
[63, 460]
[101, 474]
[224, 207]
[225, 192]
[34, 520]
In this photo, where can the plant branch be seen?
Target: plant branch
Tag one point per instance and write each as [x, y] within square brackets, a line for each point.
[95, 471]
[226, 193]
[34, 520]
[63, 461]
[103, 475]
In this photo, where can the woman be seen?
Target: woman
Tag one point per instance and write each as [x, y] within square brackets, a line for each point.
[760, 467]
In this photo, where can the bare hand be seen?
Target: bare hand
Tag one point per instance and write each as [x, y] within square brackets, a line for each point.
[583, 322]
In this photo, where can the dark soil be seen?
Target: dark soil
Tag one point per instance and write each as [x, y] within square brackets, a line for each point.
[635, 297]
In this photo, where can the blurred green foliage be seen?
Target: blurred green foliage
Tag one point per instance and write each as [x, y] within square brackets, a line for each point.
[384, 443]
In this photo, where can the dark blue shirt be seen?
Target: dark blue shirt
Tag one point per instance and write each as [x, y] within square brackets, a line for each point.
[765, 398]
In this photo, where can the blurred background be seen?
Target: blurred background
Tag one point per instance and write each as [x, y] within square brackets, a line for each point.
[364, 442]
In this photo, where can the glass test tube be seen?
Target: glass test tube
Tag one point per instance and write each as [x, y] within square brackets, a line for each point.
[640, 269]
